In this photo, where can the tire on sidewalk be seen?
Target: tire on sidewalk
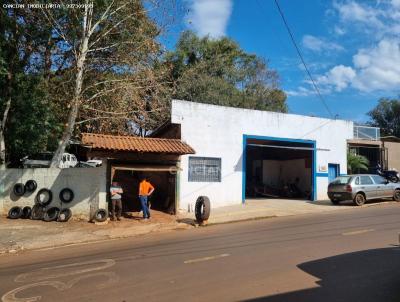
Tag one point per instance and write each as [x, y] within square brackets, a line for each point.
[26, 212]
[202, 208]
[64, 215]
[51, 214]
[15, 213]
[100, 215]
[37, 212]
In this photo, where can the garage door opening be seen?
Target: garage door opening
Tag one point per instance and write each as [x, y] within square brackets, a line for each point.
[162, 178]
[279, 168]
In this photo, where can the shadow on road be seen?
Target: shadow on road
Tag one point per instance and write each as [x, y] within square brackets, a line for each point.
[368, 276]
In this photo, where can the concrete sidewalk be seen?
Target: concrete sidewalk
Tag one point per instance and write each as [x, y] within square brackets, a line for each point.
[20, 234]
[265, 208]
[25, 234]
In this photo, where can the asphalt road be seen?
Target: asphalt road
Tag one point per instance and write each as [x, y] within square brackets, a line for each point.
[338, 256]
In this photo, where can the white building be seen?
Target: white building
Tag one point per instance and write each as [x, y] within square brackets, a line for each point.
[240, 152]
[228, 154]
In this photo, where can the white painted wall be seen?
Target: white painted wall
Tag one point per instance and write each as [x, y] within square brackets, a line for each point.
[88, 185]
[272, 172]
[216, 131]
[277, 171]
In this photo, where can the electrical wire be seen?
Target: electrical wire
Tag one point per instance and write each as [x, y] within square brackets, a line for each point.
[302, 59]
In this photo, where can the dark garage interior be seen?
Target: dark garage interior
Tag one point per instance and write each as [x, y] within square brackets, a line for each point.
[163, 198]
[129, 158]
[279, 169]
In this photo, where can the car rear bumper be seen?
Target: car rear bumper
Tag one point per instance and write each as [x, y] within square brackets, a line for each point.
[340, 196]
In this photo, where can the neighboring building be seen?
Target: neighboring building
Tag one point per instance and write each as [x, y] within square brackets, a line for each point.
[367, 142]
[128, 158]
[241, 153]
[392, 146]
[384, 150]
[124, 159]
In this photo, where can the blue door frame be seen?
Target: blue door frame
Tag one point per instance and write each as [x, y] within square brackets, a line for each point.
[333, 171]
[314, 160]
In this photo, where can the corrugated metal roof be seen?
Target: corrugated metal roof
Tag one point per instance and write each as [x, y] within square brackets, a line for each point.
[136, 144]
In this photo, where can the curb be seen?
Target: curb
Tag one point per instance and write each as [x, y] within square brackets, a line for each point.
[241, 220]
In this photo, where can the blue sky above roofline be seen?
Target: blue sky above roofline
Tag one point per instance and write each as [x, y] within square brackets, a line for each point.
[351, 47]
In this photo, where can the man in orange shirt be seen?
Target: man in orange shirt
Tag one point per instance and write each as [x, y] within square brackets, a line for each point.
[145, 190]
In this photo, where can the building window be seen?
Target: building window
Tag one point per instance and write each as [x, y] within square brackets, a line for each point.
[204, 169]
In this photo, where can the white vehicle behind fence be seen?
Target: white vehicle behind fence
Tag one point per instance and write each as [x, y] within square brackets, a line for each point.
[68, 161]
[43, 160]
[95, 162]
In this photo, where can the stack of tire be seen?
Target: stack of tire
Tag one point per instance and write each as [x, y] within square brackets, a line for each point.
[41, 209]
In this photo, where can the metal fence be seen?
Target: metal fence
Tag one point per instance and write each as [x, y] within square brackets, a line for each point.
[204, 169]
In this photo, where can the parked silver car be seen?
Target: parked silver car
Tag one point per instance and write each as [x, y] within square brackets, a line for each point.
[362, 187]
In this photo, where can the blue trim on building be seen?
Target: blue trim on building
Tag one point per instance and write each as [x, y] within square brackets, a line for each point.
[322, 174]
[244, 168]
[314, 172]
[304, 141]
[270, 138]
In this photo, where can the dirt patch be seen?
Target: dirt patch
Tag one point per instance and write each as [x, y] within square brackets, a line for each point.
[21, 234]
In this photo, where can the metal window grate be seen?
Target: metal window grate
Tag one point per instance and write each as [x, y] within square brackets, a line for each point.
[204, 169]
[366, 132]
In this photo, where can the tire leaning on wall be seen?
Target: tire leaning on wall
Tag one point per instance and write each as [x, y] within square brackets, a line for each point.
[64, 215]
[202, 209]
[15, 213]
[51, 214]
[100, 215]
[26, 212]
[37, 212]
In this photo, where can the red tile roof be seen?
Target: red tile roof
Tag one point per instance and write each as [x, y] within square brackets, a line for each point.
[136, 144]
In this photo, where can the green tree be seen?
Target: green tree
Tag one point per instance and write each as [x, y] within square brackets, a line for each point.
[218, 71]
[24, 47]
[32, 125]
[109, 79]
[386, 115]
[68, 70]
[356, 162]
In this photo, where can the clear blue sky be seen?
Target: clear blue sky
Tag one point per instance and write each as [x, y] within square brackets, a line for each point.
[352, 48]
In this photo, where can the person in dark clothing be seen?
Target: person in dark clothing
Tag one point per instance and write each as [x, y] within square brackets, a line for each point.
[116, 202]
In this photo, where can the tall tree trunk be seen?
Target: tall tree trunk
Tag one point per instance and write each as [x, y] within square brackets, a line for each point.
[4, 121]
[69, 128]
[2, 128]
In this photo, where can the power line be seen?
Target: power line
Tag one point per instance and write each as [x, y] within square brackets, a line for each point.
[302, 59]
